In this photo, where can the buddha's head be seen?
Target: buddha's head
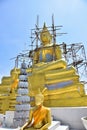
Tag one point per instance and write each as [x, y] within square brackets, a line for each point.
[45, 36]
[39, 98]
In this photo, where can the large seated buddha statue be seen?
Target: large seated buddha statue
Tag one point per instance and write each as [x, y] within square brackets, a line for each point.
[48, 54]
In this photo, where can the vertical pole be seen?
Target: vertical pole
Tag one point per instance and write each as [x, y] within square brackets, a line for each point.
[36, 32]
[54, 38]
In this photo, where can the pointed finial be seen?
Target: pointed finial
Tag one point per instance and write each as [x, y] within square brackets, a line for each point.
[44, 25]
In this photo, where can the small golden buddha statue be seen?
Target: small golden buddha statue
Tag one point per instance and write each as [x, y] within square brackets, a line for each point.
[39, 117]
[15, 80]
[47, 52]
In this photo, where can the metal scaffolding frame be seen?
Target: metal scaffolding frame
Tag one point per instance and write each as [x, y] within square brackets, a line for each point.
[73, 53]
[75, 56]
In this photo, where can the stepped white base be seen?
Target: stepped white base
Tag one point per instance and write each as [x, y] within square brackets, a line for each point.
[54, 125]
[62, 127]
[70, 115]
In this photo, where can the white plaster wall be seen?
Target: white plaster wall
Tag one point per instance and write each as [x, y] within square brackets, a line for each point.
[70, 116]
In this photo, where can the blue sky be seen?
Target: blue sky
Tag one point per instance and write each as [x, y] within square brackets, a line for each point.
[17, 17]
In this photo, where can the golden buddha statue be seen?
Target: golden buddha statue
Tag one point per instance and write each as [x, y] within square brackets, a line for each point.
[39, 117]
[47, 52]
[15, 80]
[48, 56]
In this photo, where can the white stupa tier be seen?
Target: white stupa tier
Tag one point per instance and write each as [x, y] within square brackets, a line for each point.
[23, 107]
[23, 99]
[22, 91]
[23, 84]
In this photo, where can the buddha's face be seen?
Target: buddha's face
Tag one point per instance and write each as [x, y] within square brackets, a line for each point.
[45, 38]
[39, 99]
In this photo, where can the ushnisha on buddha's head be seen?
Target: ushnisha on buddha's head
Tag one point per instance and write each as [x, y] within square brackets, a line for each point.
[45, 36]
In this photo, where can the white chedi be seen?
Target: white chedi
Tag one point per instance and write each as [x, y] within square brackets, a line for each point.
[22, 106]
